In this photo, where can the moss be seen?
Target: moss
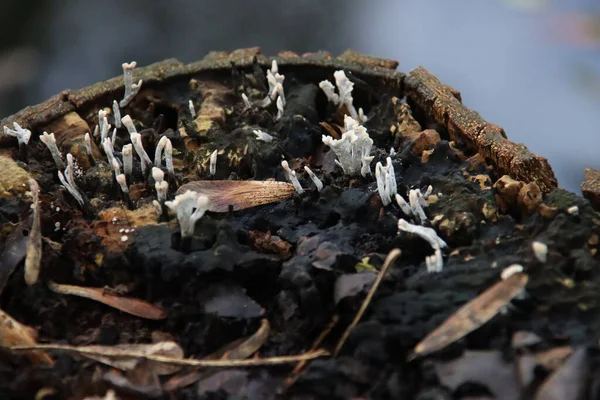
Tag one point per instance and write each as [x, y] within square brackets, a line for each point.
[13, 179]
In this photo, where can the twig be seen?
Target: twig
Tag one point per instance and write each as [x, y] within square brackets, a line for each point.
[254, 362]
[389, 260]
[301, 364]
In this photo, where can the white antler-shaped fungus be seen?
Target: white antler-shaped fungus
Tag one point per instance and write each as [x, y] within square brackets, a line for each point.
[386, 181]
[344, 95]
[435, 262]
[131, 89]
[50, 141]
[189, 207]
[353, 149]
[22, 135]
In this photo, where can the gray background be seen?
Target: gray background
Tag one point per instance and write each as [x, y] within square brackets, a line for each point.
[530, 66]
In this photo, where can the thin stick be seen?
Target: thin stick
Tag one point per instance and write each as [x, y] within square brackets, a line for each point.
[120, 353]
[301, 364]
[389, 260]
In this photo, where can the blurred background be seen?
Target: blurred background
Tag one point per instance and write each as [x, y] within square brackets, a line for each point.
[530, 66]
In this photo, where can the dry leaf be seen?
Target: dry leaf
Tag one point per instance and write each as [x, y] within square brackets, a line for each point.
[13, 333]
[472, 315]
[568, 381]
[129, 305]
[15, 249]
[239, 194]
[114, 352]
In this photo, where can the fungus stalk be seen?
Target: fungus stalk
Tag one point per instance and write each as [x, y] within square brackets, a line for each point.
[103, 125]
[131, 89]
[162, 188]
[247, 104]
[88, 147]
[189, 208]
[127, 159]
[276, 93]
[160, 146]
[122, 181]
[314, 178]
[34, 246]
[386, 181]
[192, 109]
[117, 114]
[291, 176]
[212, 167]
[68, 181]
[169, 158]
[50, 141]
[435, 262]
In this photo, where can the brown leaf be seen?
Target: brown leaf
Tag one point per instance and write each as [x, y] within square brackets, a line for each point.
[129, 305]
[267, 242]
[13, 333]
[472, 315]
[15, 249]
[239, 194]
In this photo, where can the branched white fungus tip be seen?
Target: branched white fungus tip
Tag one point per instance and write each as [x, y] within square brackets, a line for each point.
[131, 89]
[128, 123]
[189, 207]
[22, 135]
[50, 141]
[262, 136]
[540, 250]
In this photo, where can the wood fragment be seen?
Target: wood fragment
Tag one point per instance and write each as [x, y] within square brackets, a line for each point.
[130, 305]
[464, 125]
[33, 259]
[13, 333]
[472, 315]
[389, 261]
[107, 351]
[239, 194]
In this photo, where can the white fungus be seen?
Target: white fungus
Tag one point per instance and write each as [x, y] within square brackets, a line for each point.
[50, 141]
[386, 181]
[314, 178]
[189, 207]
[192, 109]
[279, 108]
[353, 149]
[122, 181]
[247, 104]
[574, 210]
[510, 271]
[22, 135]
[162, 188]
[88, 143]
[108, 150]
[128, 123]
[160, 146]
[344, 95]
[275, 81]
[262, 136]
[127, 159]
[414, 196]
[291, 176]
[404, 206]
[117, 114]
[435, 262]
[131, 89]
[124, 238]
[212, 167]
[169, 157]
[157, 174]
[103, 125]
[540, 250]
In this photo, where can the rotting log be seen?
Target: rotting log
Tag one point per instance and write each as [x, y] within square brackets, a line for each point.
[444, 105]
[440, 101]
